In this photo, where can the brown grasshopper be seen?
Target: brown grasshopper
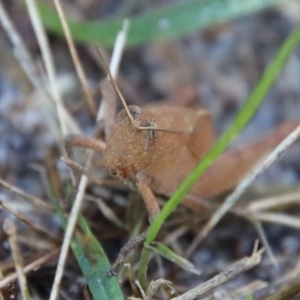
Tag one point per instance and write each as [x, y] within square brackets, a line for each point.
[154, 148]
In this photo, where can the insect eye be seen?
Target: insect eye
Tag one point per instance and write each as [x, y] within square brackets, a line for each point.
[134, 111]
[113, 172]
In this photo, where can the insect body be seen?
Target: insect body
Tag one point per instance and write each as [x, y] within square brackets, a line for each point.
[162, 159]
[153, 149]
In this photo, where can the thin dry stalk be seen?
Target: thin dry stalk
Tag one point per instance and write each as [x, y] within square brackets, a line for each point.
[48, 62]
[264, 241]
[154, 286]
[131, 278]
[82, 170]
[19, 49]
[73, 218]
[68, 236]
[107, 212]
[22, 218]
[114, 65]
[239, 293]
[28, 66]
[245, 183]
[142, 292]
[278, 218]
[251, 287]
[38, 203]
[33, 266]
[10, 229]
[75, 58]
[272, 202]
[232, 271]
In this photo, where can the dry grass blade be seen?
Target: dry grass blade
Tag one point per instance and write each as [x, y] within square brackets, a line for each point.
[19, 49]
[48, 62]
[68, 236]
[272, 202]
[131, 278]
[73, 218]
[107, 212]
[38, 203]
[11, 230]
[114, 66]
[232, 271]
[80, 169]
[264, 240]
[154, 286]
[28, 66]
[33, 266]
[83, 170]
[22, 218]
[245, 183]
[75, 58]
[239, 293]
[244, 291]
[278, 218]
[142, 292]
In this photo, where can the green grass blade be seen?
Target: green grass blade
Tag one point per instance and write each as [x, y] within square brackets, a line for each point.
[170, 255]
[164, 23]
[241, 120]
[93, 262]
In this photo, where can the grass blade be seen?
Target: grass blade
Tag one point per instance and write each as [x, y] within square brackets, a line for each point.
[164, 23]
[93, 262]
[167, 253]
[241, 120]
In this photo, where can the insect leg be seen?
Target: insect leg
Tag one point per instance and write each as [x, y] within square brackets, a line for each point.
[202, 135]
[153, 210]
[148, 197]
[78, 140]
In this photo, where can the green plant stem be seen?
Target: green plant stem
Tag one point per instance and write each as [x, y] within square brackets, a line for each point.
[241, 120]
[142, 275]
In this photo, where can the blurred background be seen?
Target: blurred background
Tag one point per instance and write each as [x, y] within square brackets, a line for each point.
[212, 59]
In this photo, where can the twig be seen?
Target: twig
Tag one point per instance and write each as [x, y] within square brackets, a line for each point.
[75, 166]
[277, 218]
[22, 218]
[34, 265]
[271, 202]
[38, 203]
[232, 271]
[10, 229]
[48, 62]
[107, 212]
[76, 59]
[19, 49]
[26, 62]
[264, 240]
[106, 112]
[155, 285]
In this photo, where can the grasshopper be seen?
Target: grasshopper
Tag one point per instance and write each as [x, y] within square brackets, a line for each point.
[153, 148]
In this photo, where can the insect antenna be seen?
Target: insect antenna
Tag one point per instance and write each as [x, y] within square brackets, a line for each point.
[116, 88]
